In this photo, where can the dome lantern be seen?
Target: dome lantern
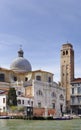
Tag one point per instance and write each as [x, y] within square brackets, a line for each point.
[20, 52]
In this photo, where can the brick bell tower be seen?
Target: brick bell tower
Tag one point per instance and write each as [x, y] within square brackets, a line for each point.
[67, 70]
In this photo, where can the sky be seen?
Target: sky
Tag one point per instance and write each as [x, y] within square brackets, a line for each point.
[41, 27]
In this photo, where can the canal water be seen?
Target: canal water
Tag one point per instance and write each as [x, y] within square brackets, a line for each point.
[12, 124]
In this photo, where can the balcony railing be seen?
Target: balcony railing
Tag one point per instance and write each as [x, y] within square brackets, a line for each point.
[75, 104]
[4, 84]
[75, 95]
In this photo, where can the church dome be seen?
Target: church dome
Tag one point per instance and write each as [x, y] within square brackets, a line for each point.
[20, 64]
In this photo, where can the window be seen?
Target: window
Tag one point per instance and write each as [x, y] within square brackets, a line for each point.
[28, 102]
[66, 52]
[61, 97]
[39, 93]
[73, 100]
[53, 105]
[79, 99]
[79, 90]
[26, 79]
[31, 103]
[39, 104]
[4, 109]
[53, 94]
[38, 78]
[72, 90]
[3, 100]
[63, 52]
[2, 77]
[19, 101]
[19, 93]
[22, 101]
[15, 78]
[49, 79]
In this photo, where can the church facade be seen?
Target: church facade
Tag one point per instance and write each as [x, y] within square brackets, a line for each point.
[34, 89]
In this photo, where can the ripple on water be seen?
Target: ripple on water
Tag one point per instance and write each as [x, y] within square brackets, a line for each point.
[40, 125]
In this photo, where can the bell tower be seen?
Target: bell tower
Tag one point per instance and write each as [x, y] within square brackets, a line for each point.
[67, 70]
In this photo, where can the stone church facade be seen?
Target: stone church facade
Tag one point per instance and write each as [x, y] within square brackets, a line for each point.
[33, 88]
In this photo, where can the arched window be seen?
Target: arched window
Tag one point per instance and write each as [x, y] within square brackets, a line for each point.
[39, 104]
[53, 94]
[38, 77]
[2, 78]
[31, 103]
[15, 78]
[63, 52]
[66, 52]
[19, 101]
[49, 79]
[53, 105]
[61, 97]
[19, 93]
[26, 79]
[39, 93]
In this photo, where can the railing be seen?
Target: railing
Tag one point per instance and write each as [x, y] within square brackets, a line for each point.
[76, 104]
[4, 84]
[21, 84]
[75, 95]
[27, 83]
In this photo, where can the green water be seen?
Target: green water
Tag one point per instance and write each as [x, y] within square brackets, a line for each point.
[40, 125]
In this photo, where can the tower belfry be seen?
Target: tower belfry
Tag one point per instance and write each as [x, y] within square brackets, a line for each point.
[67, 69]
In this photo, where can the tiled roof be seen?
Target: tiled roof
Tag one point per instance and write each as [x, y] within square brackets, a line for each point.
[76, 80]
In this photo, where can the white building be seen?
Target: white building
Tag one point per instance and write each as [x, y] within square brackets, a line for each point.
[24, 101]
[3, 105]
[49, 96]
[76, 96]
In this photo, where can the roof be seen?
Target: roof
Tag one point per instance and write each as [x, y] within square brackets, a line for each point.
[4, 69]
[20, 64]
[67, 44]
[42, 71]
[76, 80]
[2, 91]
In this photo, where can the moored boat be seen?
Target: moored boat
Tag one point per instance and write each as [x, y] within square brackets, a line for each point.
[5, 117]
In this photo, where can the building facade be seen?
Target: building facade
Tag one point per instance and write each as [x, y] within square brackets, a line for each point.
[76, 96]
[48, 96]
[36, 88]
[3, 105]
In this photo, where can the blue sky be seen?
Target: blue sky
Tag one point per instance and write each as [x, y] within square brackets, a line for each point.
[41, 27]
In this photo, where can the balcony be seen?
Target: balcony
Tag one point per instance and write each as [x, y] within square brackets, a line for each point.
[27, 83]
[76, 95]
[4, 85]
[76, 104]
